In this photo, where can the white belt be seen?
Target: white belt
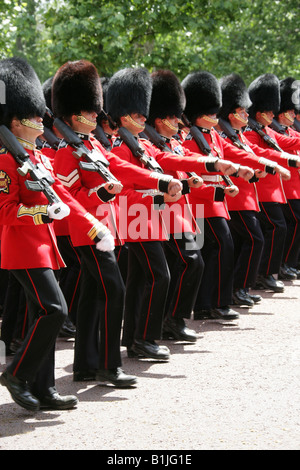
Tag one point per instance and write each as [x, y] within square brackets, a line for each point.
[212, 178]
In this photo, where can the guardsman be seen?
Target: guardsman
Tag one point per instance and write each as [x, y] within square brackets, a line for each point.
[28, 244]
[182, 252]
[203, 102]
[69, 277]
[77, 100]
[128, 101]
[289, 98]
[264, 94]
[244, 225]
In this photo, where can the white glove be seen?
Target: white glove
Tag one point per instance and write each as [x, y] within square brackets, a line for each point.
[107, 243]
[58, 210]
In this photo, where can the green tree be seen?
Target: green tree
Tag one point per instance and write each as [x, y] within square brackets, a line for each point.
[222, 36]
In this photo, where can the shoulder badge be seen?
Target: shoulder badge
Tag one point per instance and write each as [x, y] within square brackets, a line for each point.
[4, 182]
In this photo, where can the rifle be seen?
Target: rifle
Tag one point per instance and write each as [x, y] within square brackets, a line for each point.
[41, 178]
[51, 138]
[149, 162]
[229, 131]
[277, 127]
[100, 135]
[95, 160]
[255, 126]
[160, 143]
[296, 125]
[204, 147]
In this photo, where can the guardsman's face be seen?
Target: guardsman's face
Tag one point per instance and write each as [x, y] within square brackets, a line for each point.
[265, 118]
[134, 123]
[167, 126]
[287, 118]
[85, 122]
[239, 118]
[207, 121]
[28, 129]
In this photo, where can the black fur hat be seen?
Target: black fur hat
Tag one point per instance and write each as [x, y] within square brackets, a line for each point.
[289, 94]
[21, 91]
[76, 87]
[264, 94]
[234, 94]
[129, 91]
[168, 98]
[203, 94]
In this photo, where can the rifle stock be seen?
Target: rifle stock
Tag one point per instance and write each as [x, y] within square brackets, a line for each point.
[42, 180]
[149, 162]
[100, 135]
[203, 145]
[94, 159]
[255, 126]
[296, 125]
[160, 143]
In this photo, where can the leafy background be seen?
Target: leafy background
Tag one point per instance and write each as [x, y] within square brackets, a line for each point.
[242, 36]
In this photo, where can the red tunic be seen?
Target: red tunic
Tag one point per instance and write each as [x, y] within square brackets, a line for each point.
[80, 183]
[26, 241]
[272, 188]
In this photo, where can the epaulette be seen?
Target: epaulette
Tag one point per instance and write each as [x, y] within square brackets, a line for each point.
[189, 136]
[118, 141]
[3, 150]
[247, 129]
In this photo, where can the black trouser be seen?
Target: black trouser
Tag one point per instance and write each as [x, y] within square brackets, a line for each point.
[274, 229]
[186, 267]
[69, 277]
[248, 243]
[47, 309]
[218, 255]
[14, 321]
[100, 311]
[122, 259]
[291, 212]
[147, 286]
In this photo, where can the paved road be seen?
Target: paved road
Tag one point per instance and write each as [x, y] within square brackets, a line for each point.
[236, 388]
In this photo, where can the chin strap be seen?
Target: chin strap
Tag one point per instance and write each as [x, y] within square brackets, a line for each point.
[86, 121]
[32, 125]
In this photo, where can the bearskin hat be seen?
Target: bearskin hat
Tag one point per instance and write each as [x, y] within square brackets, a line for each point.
[265, 94]
[234, 95]
[129, 91]
[22, 94]
[203, 94]
[76, 87]
[289, 94]
[168, 98]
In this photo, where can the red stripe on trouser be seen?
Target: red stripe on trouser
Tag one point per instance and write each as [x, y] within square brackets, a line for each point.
[180, 284]
[24, 321]
[106, 300]
[147, 319]
[248, 267]
[34, 330]
[272, 244]
[219, 258]
[295, 231]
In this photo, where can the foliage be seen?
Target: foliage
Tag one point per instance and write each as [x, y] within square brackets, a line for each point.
[247, 37]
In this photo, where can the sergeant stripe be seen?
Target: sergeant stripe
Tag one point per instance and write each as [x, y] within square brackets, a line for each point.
[70, 179]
